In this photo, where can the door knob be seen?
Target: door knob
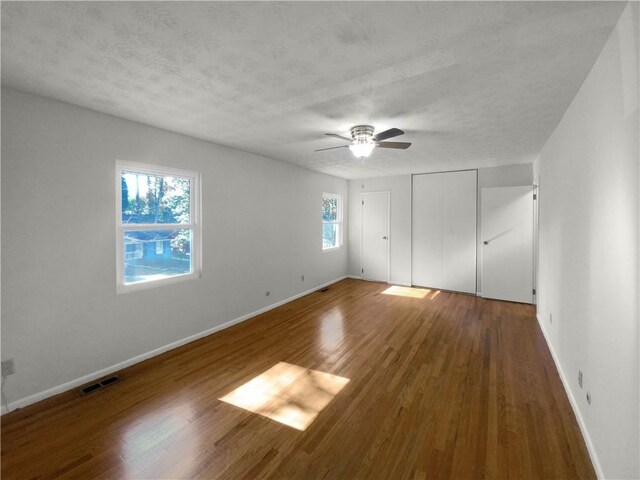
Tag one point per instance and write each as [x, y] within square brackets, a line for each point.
[384, 238]
[485, 242]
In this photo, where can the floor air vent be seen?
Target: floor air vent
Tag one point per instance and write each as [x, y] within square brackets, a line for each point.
[325, 289]
[98, 385]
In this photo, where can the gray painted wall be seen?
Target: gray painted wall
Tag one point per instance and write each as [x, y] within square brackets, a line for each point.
[588, 259]
[61, 317]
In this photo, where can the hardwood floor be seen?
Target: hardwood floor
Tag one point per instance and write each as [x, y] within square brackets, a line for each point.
[445, 386]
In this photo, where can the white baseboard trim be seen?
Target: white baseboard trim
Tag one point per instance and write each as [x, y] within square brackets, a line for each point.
[574, 404]
[390, 282]
[50, 392]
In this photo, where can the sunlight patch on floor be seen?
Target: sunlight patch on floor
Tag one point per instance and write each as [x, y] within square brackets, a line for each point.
[407, 291]
[289, 394]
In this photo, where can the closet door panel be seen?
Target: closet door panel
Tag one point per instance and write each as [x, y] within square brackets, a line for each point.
[459, 231]
[444, 230]
[427, 227]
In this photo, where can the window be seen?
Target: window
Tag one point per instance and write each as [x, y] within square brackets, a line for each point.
[158, 225]
[331, 221]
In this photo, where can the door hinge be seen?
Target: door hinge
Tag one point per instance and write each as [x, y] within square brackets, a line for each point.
[363, 202]
[535, 196]
[534, 291]
[362, 270]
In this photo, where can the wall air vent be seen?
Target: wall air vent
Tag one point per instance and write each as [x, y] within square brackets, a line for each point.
[98, 385]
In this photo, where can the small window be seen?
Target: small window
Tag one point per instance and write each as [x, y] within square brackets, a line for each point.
[331, 221]
[158, 227]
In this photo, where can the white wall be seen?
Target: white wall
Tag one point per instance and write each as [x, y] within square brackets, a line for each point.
[400, 235]
[588, 258]
[61, 317]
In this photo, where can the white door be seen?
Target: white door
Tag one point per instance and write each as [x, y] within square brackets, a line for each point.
[507, 243]
[443, 239]
[375, 236]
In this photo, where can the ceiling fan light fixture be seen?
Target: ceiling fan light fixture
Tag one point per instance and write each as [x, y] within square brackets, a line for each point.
[362, 150]
[363, 143]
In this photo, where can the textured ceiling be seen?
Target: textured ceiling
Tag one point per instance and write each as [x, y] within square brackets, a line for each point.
[471, 83]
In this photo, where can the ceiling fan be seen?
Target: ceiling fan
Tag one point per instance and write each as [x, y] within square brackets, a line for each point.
[363, 141]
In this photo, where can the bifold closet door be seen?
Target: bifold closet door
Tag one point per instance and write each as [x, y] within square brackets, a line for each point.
[443, 239]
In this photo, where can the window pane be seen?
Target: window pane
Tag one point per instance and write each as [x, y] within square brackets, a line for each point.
[329, 209]
[145, 259]
[148, 198]
[329, 235]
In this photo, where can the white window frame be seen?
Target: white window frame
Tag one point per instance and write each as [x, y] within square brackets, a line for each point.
[337, 222]
[194, 225]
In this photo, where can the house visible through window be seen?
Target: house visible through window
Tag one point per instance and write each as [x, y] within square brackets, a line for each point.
[331, 221]
[133, 251]
[158, 236]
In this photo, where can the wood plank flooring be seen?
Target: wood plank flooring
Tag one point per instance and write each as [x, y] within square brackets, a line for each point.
[444, 386]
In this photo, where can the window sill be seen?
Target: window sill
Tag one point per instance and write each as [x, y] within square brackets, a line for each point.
[332, 249]
[134, 287]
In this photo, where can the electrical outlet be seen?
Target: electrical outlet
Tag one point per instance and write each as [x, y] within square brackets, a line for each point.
[551, 318]
[267, 293]
[302, 278]
[589, 398]
[580, 378]
[8, 367]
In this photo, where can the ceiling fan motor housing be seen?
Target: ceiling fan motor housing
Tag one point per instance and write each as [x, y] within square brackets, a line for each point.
[362, 133]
